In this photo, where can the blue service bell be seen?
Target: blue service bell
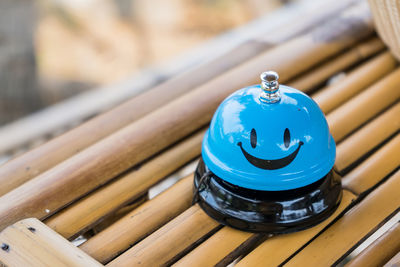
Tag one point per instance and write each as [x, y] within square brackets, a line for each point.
[267, 161]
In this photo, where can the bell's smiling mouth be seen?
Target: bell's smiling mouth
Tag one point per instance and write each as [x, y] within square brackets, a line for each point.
[270, 164]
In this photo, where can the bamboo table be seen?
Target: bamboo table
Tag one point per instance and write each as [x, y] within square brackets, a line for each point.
[93, 181]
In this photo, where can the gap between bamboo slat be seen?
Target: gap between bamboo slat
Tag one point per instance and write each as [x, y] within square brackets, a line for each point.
[393, 262]
[96, 165]
[380, 251]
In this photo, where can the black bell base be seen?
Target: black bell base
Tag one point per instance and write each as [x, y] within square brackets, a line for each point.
[267, 211]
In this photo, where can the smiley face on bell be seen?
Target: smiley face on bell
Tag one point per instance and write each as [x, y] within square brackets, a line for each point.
[274, 146]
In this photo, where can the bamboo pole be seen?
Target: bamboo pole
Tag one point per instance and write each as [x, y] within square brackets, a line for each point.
[25, 167]
[338, 239]
[380, 251]
[321, 73]
[31, 243]
[50, 191]
[83, 214]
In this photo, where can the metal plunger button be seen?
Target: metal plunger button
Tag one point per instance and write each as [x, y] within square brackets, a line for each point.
[270, 87]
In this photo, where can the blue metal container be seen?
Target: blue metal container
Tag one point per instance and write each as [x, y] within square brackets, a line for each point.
[267, 161]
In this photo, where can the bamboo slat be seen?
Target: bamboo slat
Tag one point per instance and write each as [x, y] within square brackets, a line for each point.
[141, 222]
[215, 248]
[278, 248]
[321, 73]
[338, 239]
[41, 159]
[364, 106]
[91, 168]
[83, 214]
[380, 251]
[384, 161]
[360, 78]
[143, 253]
[31, 243]
[394, 262]
[368, 137]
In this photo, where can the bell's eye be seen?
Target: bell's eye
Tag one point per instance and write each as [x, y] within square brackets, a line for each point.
[286, 138]
[253, 138]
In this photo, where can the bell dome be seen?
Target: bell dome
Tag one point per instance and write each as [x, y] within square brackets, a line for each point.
[269, 137]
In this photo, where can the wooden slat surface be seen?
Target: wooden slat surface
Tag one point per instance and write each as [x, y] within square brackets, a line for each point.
[363, 112]
[31, 243]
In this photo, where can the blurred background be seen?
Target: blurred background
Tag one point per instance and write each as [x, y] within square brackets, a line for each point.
[51, 50]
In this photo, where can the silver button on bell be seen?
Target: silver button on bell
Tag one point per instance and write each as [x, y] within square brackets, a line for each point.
[270, 87]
